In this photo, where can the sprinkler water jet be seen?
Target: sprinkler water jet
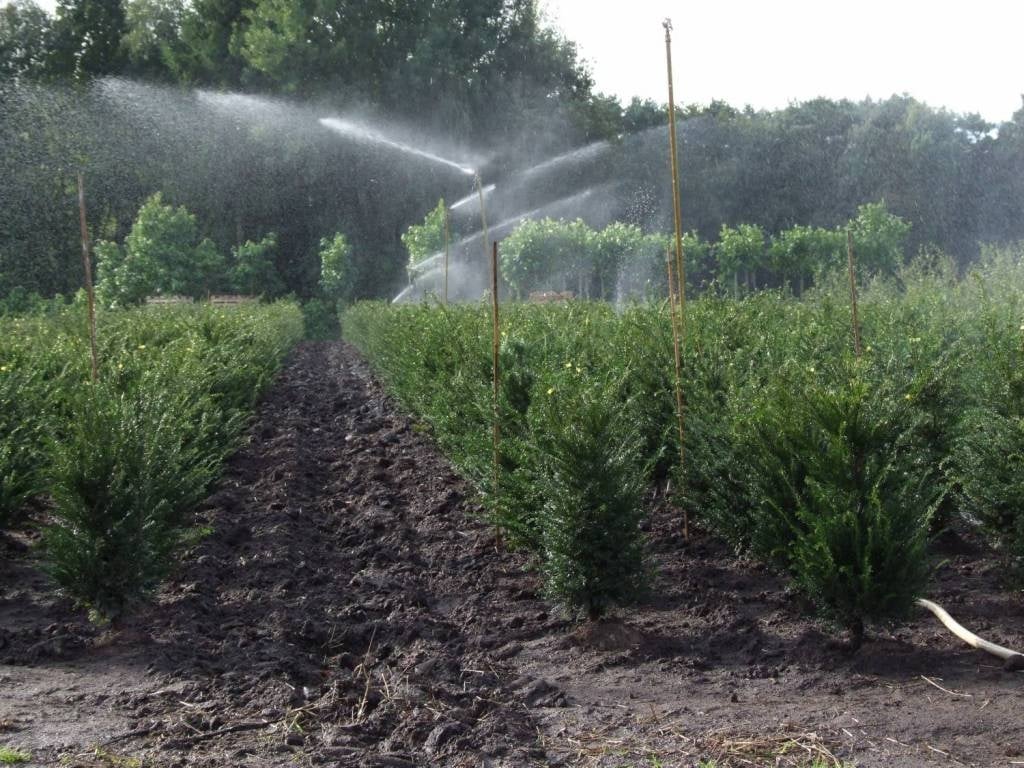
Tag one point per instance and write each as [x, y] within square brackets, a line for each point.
[362, 133]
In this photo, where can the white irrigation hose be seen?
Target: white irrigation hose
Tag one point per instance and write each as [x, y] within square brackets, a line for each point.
[1012, 659]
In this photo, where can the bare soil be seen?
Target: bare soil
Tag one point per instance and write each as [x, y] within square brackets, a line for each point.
[350, 608]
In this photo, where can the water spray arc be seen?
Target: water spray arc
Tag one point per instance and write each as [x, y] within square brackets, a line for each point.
[361, 132]
[573, 184]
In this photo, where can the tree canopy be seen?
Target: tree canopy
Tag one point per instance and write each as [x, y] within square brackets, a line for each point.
[104, 86]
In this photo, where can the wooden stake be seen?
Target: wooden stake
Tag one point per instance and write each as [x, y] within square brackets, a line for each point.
[678, 302]
[496, 371]
[679, 386]
[87, 266]
[853, 293]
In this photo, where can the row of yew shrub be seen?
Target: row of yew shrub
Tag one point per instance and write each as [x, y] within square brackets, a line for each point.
[836, 467]
[119, 462]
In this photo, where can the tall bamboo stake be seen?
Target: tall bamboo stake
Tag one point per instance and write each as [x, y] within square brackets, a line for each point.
[853, 293]
[87, 266]
[678, 304]
[447, 248]
[496, 433]
[679, 378]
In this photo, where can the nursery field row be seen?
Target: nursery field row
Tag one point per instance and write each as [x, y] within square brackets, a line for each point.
[120, 460]
[836, 466]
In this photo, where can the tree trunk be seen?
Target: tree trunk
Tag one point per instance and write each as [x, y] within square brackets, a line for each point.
[856, 635]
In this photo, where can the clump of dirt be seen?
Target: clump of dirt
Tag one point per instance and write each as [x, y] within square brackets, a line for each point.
[350, 608]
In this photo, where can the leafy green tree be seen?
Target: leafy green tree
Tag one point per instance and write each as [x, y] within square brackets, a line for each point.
[255, 272]
[115, 285]
[798, 252]
[597, 117]
[740, 249]
[611, 248]
[162, 254]
[204, 273]
[25, 37]
[642, 114]
[446, 60]
[87, 39]
[427, 239]
[879, 238]
[336, 270]
[546, 255]
[152, 35]
[631, 263]
[162, 243]
[207, 52]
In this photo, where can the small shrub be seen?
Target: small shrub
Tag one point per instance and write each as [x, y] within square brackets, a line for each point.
[593, 485]
[320, 319]
[840, 493]
[989, 460]
[255, 271]
[337, 273]
[120, 483]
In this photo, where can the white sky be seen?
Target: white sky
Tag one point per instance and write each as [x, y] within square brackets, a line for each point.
[968, 57]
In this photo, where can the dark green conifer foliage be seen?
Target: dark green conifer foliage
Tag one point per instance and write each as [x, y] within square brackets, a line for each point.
[593, 485]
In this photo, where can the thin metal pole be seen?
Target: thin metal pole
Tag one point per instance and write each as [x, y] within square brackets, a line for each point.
[87, 266]
[853, 293]
[496, 370]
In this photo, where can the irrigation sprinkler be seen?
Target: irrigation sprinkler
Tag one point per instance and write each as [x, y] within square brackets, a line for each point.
[87, 266]
[677, 303]
[496, 342]
[678, 384]
[857, 349]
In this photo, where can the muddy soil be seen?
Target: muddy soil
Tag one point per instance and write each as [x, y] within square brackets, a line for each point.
[349, 608]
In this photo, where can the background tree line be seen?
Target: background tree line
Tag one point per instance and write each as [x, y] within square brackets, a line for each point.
[107, 86]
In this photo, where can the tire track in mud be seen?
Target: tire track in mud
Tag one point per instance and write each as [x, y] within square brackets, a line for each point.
[349, 606]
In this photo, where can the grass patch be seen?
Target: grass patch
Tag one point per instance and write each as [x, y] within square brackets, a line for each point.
[12, 756]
